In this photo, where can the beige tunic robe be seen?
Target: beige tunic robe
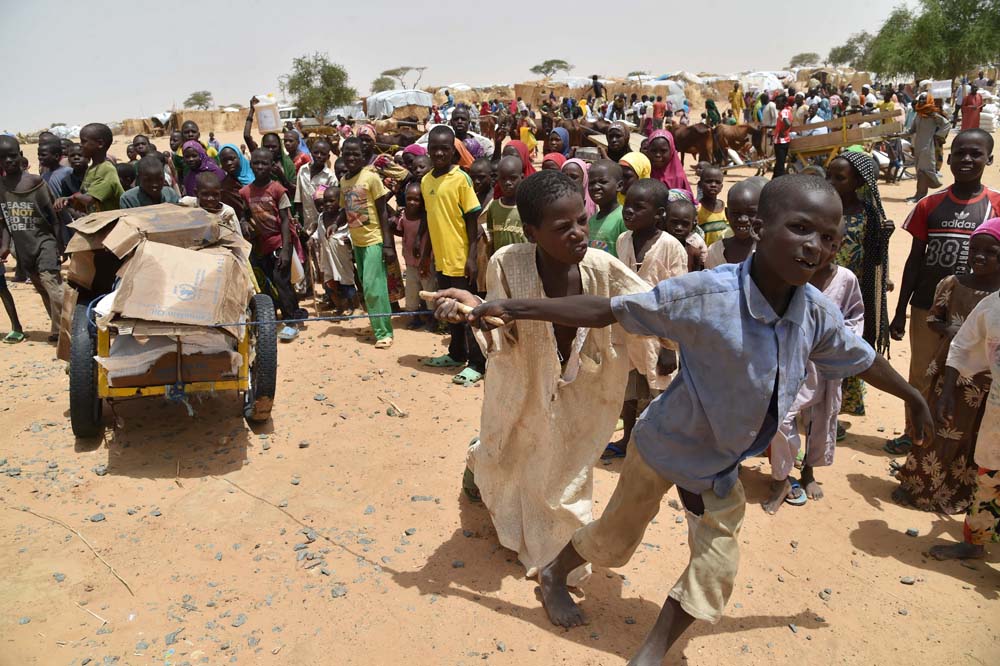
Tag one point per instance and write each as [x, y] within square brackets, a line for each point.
[544, 426]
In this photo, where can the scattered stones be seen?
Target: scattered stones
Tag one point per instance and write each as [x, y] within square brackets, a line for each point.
[53, 465]
[171, 638]
[369, 510]
[501, 646]
[467, 534]
[97, 517]
[218, 556]
[781, 579]
[794, 544]
[794, 629]
[142, 645]
[819, 618]
[266, 446]
[630, 620]
[679, 519]
[240, 620]
[907, 580]
[338, 591]
[304, 444]
[319, 397]
[825, 594]
[13, 471]
[155, 513]
[912, 532]
[24, 620]
[296, 480]
[300, 546]
[100, 470]
[59, 577]
[422, 498]
[131, 511]
[410, 531]
[104, 629]
[458, 564]
[903, 611]
[252, 641]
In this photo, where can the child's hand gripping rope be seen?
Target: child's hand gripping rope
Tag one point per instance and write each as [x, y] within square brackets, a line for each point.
[456, 305]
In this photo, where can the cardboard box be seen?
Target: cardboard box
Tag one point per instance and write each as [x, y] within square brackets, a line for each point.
[194, 368]
[170, 284]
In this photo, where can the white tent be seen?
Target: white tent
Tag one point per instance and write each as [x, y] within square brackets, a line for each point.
[384, 103]
[760, 81]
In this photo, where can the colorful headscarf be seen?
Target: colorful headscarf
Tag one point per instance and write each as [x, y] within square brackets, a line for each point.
[990, 227]
[524, 154]
[346, 131]
[713, 112]
[207, 164]
[672, 175]
[245, 175]
[925, 109]
[564, 135]
[874, 269]
[465, 158]
[368, 130]
[415, 149]
[825, 112]
[638, 163]
[589, 204]
[624, 129]
[558, 158]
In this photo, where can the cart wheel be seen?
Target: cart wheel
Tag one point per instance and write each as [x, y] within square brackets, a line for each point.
[263, 374]
[85, 405]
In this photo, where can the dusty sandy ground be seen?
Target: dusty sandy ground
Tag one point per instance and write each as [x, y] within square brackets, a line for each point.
[204, 518]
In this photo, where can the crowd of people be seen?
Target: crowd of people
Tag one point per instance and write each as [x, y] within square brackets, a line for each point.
[625, 291]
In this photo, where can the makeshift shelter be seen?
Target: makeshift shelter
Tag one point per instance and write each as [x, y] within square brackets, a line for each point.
[406, 102]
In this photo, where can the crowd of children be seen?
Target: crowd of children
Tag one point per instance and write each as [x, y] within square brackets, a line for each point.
[618, 283]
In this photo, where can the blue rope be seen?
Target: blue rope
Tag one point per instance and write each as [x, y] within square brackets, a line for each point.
[278, 322]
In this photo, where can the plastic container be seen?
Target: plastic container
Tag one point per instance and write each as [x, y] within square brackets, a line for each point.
[267, 116]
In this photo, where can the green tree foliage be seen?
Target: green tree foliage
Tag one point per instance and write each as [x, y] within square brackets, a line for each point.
[852, 53]
[941, 39]
[550, 67]
[804, 60]
[318, 85]
[400, 74]
[382, 83]
[200, 99]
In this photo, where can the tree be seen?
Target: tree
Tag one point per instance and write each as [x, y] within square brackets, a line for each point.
[804, 60]
[941, 39]
[550, 67]
[200, 99]
[400, 72]
[638, 74]
[853, 53]
[318, 85]
[382, 83]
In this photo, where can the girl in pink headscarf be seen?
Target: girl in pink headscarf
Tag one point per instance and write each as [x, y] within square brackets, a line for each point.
[666, 163]
[579, 171]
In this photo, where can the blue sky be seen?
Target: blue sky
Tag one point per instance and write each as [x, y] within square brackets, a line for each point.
[102, 61]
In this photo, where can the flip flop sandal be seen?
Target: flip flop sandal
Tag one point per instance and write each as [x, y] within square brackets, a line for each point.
[796, 498]
[469, 486]
[288, 333]
[467, 377]
[612, 451]
[384, 343]
[14, 337]
[445, 361]
[899, 446]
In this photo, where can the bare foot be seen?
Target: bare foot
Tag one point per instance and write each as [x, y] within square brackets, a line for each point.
[958, 551]
[779, 491]
[559, 605]
[813, 490]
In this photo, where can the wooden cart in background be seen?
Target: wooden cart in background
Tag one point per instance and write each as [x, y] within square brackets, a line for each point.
[843, 132]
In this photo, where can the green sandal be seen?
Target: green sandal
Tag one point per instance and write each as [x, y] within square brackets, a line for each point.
[442, 362]
[467, 377]
[900, 446]
[14, 337]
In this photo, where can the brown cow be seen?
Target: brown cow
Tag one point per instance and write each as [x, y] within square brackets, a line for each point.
[694, 139]
[739, 138]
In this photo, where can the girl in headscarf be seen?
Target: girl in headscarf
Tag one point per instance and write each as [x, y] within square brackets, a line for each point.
[196, 160]
[520, 149]
[618, 141]
[238, 173]
[865, 251]
[368, 138]
[635, 167]
[665, 163]
[284, 168]
[558, 141]
[579, 171]
[825, 111]
[714, 117]
[463, 158]
[553, 161]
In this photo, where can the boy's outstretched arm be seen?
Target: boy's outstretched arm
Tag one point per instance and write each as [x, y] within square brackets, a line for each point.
[882, 376]
[909, 283]
[576, 311]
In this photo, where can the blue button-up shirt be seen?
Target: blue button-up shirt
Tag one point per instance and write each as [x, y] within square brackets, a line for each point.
[732, 345]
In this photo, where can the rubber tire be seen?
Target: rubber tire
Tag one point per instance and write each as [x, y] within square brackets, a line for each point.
[257, 401]
[85, 405]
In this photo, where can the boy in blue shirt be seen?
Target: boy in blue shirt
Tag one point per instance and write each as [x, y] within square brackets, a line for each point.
[746, 333]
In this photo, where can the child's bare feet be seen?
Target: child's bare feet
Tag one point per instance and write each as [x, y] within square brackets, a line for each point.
[779, 491]
[958, 551]
[559, 605]
[813, 490]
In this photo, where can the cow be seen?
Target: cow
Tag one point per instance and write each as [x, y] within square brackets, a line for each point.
[738, 137]
[693, 139]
